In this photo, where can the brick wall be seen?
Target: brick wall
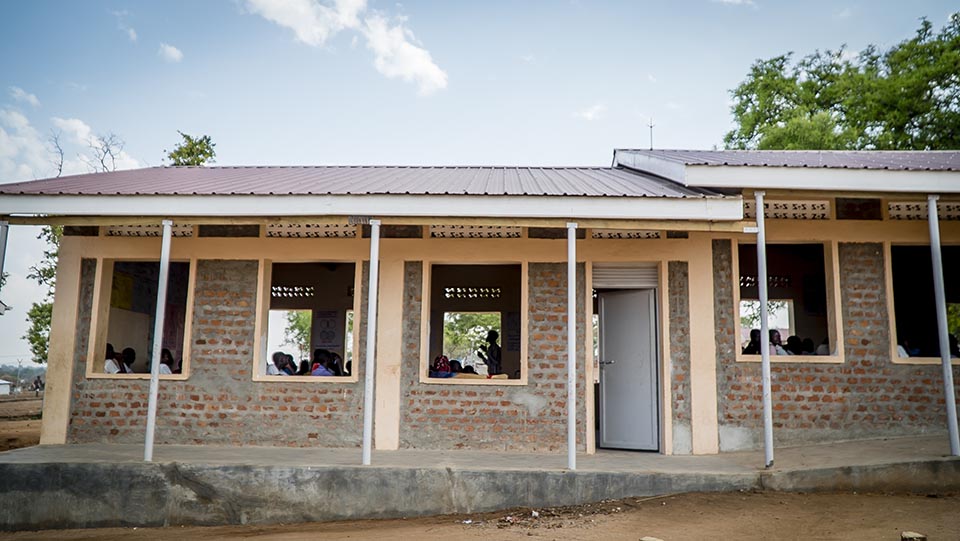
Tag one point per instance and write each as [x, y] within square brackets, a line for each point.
[494, 417]
[678, 289]
[867, 396]
[219, 404]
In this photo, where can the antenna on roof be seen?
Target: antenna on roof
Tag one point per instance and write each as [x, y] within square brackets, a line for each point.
[651, 125]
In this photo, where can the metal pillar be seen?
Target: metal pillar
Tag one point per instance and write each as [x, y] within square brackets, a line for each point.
[370, 349]
[762, 284]
[572, 346]
[157, 340]
[4, 229]
[949, 397]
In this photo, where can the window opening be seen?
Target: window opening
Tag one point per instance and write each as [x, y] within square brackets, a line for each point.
[799, 319]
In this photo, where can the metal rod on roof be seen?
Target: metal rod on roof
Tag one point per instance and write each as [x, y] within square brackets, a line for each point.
[572, 346]
[371, 347]
[764, 332]
[158, 339]
[651, 125]
[4, 230]
[950, 400]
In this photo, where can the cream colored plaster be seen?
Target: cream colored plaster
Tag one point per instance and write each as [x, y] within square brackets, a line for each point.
[389, 359]
[703, 349]
[56, 403]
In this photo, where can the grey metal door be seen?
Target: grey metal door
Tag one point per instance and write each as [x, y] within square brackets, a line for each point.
[629, 403]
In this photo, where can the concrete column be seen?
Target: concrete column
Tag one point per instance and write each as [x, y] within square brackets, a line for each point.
[572, 346]
[158, 318]
[386, 429]
[950, 400]
[370, 349]
[762, 284]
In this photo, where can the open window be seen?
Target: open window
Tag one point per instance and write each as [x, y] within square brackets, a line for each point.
[801, 312]
[475, 329]
[124, 318]
[914, 305]
[309, 314]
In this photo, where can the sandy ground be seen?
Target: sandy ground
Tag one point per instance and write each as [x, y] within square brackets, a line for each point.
[687, 516]
[19, 422]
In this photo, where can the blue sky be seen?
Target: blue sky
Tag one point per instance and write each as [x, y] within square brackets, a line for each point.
[419, 82]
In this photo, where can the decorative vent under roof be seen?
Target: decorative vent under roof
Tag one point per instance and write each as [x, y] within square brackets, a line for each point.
[909, 210]
[790, 210]
[474, 232]
[311, 231]
[750, 280]
[151, 230]
[625, 234]
[471, 292]
[291, 292]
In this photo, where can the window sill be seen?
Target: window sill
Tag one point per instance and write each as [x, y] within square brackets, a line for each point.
[306, 379]
[922, 360]
[167, 377]
[792, 359]
[474, 381]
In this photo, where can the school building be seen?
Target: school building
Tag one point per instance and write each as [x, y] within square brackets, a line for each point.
[391, 267]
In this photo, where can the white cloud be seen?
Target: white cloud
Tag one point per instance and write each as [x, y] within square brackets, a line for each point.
[169, 53]
[397, 57]
[20, 94]
[594, 112]
[123, 26]
[23, 155]
[312, 22]
[674, 106]
[397, 54]
[734, 2]
[843, 13]
[651, 78]
[528, 58]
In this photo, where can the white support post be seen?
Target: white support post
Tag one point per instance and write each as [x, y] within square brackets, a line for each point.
[762, 284]
[371, 347]
[157, 340]
[4, 229]
[572, 346]
[950, 400]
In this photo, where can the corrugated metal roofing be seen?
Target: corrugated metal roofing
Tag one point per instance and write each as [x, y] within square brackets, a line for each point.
[922, 160]
[361, 180]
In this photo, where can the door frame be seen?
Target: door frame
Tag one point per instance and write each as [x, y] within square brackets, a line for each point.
[656, 338]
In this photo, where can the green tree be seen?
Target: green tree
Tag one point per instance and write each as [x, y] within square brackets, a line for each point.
[298, 330]
[464, 332]
[39, 315]
[193, 150]
[905, 98]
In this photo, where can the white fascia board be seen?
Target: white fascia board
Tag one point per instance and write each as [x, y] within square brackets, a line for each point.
[643, 208]
[672, 170]
[825, 179]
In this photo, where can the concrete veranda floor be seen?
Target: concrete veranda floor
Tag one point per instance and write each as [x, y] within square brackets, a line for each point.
[822, 456]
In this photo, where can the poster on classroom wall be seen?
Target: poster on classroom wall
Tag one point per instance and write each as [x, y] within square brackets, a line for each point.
[326, 331]
[121, 293]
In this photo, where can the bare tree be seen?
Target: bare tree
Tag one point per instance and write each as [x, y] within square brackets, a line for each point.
[56, 150]
[104, 151]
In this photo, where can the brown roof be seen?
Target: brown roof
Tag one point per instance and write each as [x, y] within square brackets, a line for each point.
[361, 180]
[922, 160]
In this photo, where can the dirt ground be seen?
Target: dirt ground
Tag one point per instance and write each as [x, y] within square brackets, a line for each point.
[19, 422]
[687, 516]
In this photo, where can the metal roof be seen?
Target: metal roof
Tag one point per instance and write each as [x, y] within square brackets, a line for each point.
[362, 180]
[921, 160]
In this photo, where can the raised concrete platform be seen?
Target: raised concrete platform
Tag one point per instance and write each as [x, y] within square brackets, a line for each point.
[109, 485]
